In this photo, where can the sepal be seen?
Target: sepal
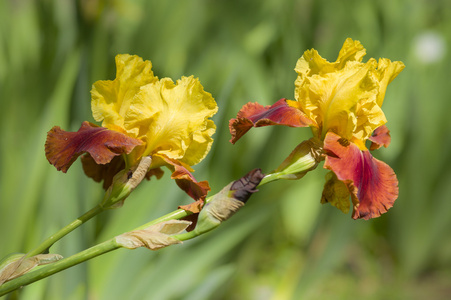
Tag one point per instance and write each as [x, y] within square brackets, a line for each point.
[257, 115]
[62, 148]
[304, 158]
[372, 184]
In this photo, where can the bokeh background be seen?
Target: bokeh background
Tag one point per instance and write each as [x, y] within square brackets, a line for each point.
[284, 244]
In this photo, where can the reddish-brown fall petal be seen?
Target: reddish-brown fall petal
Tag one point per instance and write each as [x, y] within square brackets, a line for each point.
[62, 148]
[194, 207]
[104, 172]
[257, 115]
[191, 218]
[372, 183]
[186, 181]
[157, 172]
[380, 137]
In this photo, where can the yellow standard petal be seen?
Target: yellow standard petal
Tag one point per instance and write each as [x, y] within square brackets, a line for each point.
[111, 99]
[386, 72]
[173, 119]
[344, 96]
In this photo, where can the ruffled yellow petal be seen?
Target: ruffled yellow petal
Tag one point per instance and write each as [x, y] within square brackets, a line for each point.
[200, 144]
[344, 96]
[386, 72]
[111, 99]
[173, 119]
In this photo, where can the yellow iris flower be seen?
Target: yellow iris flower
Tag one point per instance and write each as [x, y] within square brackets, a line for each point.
[171, 119]
[341, 102]
[141, 116]
[344, 97]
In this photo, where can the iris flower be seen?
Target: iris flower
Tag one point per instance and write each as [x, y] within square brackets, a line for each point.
[341, 102]
[141, 116]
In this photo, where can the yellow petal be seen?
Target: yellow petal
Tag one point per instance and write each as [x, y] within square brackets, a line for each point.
[200, 145]
[387, 71]
[351, 51]
[111, 98]
[344, 96]
[173, 119]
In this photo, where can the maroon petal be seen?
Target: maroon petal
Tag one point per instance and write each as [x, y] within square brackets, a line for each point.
[62, 148]
[186, 181]
[157, 172]
[257, 115]
[104, 172]
[107, 171]
[372, 183]
[380, 137]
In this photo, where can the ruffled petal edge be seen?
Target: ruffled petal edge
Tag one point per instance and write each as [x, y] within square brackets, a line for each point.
[372, 184]
[62, 148]
[186, 181]
[380, 137]
[257, 115]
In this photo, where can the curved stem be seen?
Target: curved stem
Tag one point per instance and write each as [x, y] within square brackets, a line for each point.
[304, 164]
[189, 235]
[44, 246]
[80, 257]
[175, 215]
[58, 266]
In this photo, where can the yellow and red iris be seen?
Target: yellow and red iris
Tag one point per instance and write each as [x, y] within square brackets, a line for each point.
[341, 102]
[141, 116]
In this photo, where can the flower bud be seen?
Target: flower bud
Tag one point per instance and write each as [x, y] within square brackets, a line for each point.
[228, 201]
[304, 158]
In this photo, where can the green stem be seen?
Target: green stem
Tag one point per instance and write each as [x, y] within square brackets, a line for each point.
[303, 164]
[58, 266]
[80, 257]
[175, 215]
[44, 246]
[189, 235]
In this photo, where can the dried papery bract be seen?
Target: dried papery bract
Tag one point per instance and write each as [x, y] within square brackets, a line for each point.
[17, 264]
[153, 237]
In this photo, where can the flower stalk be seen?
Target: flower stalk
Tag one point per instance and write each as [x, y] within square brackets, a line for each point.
[123, 184]
[78, 258]
[219, 208]
[58, 266]
[45, 245]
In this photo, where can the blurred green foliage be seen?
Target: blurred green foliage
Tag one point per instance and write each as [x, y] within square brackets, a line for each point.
[283, 244]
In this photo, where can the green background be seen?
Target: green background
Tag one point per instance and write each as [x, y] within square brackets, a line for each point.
[284, 244]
